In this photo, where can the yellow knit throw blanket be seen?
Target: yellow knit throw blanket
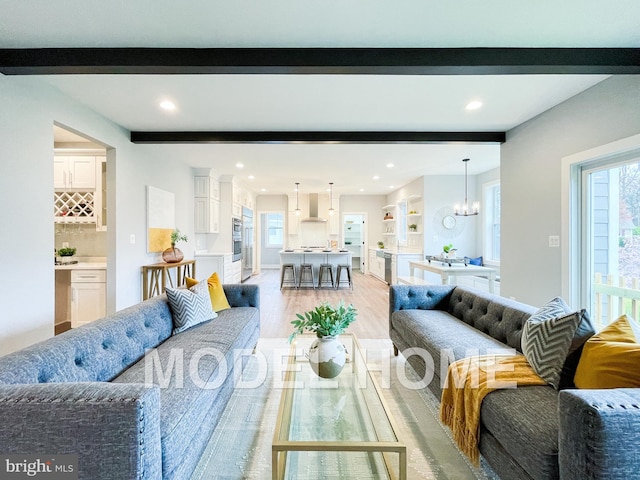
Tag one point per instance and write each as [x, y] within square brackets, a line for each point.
[468, 381]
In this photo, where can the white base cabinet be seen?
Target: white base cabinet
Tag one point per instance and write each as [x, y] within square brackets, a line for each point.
[208, 263]
[88, 296]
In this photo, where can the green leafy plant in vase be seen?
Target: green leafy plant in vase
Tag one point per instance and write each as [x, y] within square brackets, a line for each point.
[449, 251]
[174, 254]
[327, 355]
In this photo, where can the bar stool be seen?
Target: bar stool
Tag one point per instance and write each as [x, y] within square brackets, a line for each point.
[326, 268]
[306, 268]
[292, 281]
[348, 269]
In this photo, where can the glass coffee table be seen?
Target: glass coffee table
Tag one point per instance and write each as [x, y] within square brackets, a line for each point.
[334, 428]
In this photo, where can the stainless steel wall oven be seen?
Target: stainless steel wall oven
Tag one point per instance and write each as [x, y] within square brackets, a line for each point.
[236, 237]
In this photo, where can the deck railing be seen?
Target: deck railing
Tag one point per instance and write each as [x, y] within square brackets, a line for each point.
[614, 296]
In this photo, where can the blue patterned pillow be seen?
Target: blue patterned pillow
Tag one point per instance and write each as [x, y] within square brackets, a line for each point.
[190, 306]
[546, 338]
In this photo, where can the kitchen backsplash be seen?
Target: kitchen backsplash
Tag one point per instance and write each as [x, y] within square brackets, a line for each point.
[87, 241]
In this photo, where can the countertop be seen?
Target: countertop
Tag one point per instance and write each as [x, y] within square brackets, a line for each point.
[316, 250]
[84, 263]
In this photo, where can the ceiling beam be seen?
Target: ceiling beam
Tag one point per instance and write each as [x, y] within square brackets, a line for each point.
[317, 137]
[320, 61]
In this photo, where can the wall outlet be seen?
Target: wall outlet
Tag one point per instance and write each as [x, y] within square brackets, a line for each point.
[554, 241]
[132, 239]
[65, 244]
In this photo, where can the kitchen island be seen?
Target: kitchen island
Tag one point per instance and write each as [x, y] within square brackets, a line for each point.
[315, 257]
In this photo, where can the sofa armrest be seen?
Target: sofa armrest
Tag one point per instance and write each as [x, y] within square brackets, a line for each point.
[422, 297]
[241, 295]
[599, 431]
[113, 428]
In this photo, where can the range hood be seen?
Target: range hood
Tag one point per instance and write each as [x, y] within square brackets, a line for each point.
[313, 210]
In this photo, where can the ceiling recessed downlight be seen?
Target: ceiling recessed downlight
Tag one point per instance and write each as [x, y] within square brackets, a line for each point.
[473, 105]
[390, 165]
[167, 105]
[239, 165]
[376, 177]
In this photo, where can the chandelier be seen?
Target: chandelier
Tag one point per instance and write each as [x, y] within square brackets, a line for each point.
[464, 211]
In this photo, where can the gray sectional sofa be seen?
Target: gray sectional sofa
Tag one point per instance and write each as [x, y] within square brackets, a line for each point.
[83, 392]
[533, 432]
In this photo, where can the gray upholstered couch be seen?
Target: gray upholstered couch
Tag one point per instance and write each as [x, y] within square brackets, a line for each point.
[529, 432]
[83, 392]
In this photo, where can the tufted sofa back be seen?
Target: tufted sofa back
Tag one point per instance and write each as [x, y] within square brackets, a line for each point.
[494, 315]
[98, 351]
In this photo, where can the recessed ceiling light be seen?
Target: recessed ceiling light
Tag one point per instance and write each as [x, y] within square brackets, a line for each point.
[391, 186]
[263, 189]
[473, 105]
[239, 165]
[167, 105]
[362, 189]
[376, 177]
[390, 165]
[251, 177]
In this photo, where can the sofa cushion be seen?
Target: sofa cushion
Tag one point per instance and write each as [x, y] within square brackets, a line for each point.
[204, 353]
[546, 338]
[443, 337]
[610, 359]
[190, 306]
[216, 291]
[525, 422]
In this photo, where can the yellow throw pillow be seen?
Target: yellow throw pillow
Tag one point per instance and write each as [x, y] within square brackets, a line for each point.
[610, 359]
[216, 292]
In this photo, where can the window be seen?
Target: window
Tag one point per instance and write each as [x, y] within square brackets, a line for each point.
[611, 242]
[275, 230]
[491, 194]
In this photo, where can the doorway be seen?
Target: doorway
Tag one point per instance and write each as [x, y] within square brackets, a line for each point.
[355, 238]
[80, 233]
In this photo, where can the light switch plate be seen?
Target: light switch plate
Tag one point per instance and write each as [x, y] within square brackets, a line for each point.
[132, 239]
[554, 241]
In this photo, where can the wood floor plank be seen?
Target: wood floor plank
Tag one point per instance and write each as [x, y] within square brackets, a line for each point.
[278, 307]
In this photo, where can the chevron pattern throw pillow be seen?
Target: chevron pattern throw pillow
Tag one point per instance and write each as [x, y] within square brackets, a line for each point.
[190, 307]
[546, 338]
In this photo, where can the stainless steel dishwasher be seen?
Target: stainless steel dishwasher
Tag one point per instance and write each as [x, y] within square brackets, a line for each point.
[387, 267]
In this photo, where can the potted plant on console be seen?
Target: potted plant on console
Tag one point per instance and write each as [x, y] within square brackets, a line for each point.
[327, 354]
[173, 254]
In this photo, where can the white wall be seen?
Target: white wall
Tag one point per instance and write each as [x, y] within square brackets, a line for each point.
[28, 111]
[530, 175]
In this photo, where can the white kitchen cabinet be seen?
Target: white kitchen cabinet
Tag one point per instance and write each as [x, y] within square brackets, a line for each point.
[236, 268]
[88, 296]
[208, 263]
[74, 172]
[376, 264]
[206, 204]
[207, 215]
[207, 187]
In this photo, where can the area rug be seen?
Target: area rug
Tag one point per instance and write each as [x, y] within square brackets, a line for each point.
[240, 447]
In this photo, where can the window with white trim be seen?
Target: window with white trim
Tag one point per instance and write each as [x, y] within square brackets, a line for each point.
[275, 229]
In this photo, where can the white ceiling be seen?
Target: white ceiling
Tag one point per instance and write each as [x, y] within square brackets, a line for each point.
[320, 102]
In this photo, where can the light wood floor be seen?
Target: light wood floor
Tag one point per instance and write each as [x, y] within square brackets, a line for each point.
[279, 307]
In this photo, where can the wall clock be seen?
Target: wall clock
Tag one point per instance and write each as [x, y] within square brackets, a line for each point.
[446, 225]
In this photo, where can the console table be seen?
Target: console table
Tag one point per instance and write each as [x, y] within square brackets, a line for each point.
[447, 272]
[156, 276]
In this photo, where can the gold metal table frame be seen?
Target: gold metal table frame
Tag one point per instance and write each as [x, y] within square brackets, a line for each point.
[378, 439]
[156, 277]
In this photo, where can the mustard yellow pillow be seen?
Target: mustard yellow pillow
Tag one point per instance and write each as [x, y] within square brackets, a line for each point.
[216, 292]
[610, 359]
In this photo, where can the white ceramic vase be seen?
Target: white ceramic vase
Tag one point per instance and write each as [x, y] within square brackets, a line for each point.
[327, 356]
